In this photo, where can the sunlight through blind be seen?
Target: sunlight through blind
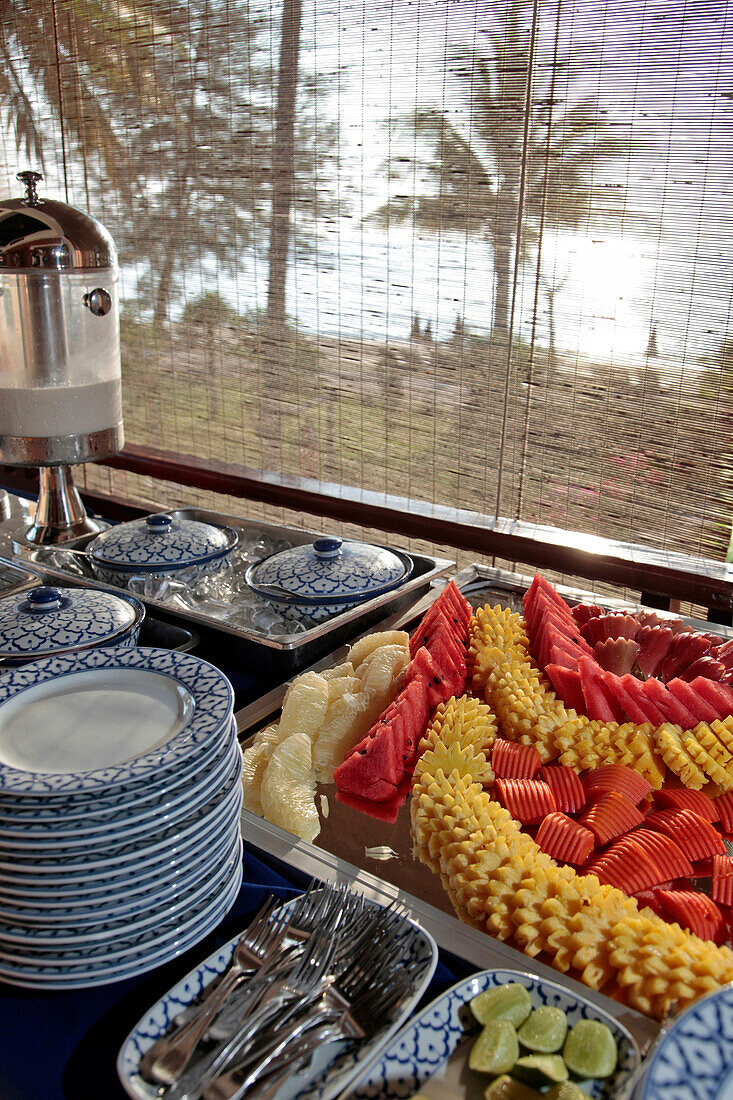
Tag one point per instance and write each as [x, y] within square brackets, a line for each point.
[471, 253]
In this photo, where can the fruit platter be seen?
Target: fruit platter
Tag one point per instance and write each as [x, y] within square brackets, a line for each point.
[567, 774]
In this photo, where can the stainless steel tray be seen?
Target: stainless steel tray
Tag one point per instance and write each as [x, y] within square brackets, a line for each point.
[351, 844]
[276, 656]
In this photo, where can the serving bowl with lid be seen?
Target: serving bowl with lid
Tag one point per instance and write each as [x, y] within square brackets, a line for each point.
[48, 621]
[320, 579]
[160, 544]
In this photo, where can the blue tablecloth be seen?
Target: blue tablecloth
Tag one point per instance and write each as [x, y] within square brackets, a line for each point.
[64, 1045]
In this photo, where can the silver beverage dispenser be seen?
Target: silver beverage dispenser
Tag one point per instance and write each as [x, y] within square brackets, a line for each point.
[60, 383]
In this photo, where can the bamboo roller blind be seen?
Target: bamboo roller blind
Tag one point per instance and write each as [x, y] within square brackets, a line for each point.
[468, 252]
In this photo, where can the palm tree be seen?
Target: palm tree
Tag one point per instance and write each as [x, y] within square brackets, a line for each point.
[479, 172]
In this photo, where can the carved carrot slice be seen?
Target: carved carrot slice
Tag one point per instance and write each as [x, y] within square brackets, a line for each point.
[722, 887]
[611, 815]
[693, 834]
[616, 777]
[684, 799]
[527, 800]
[511, 761]
[566, 786]
[564, 839]
[694, 911]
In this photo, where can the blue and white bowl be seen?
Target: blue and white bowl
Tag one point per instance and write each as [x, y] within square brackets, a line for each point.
[160, 545]
[432, 1044]
[46, 621]
[328, 576]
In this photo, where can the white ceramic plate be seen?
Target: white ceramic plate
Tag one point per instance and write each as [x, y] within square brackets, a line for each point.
[59, 735]
[423, 1049]
[325, 1080]
[81, 977]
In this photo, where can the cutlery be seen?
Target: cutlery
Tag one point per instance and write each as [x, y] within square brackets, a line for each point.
[260, 943]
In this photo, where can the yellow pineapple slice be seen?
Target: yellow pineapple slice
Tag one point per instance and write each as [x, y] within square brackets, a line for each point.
[706, 761]
[304, 706]
[347, 721]
[668, 739]
[288, 788]
[361, 649]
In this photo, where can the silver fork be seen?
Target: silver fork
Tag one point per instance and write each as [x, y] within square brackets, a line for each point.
[168, 1057]
[296, 989]
[337, 1019]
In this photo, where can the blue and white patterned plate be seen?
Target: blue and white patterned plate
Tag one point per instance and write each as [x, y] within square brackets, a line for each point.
[424, 1046]
[321, 1082]
[130, 816]
[116, 881]
[83, 975]
[90, 910]
[186, 705]
[194, 828]
[694, 1060]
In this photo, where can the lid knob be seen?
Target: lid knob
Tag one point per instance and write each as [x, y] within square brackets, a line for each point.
[45, 598]
[30, 179]
[159, 523]
[327, 548]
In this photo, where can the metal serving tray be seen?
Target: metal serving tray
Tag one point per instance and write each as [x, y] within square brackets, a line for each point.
[378, 856]
[278, 656]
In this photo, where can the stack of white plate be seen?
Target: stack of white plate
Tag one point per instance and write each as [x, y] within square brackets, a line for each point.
[120, 799]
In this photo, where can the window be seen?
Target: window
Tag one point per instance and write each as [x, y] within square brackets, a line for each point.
[471, 253]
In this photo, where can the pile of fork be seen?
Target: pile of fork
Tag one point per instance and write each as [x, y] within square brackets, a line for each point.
[326, 969]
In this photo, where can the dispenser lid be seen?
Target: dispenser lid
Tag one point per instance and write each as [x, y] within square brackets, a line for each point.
[331, 570]
[161, 541]
[48, 620]
[38, 234]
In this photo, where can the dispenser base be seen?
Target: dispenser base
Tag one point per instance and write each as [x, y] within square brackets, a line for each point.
[60, 514]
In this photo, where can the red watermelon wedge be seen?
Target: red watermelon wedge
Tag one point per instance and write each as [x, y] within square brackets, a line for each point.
[634, 688]
[718, 695]
[566, 683]
[598, 704]
[673, 710]
[701, 708]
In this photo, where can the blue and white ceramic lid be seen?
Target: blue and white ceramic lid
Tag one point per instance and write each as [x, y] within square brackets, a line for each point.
[161, 542]
[329, 570]
[48, 620]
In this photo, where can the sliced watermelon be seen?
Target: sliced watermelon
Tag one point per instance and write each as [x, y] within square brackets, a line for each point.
[564, 839]
[694, 911]
[692, 833]
[566, 787]
[634, 688]
[566, 683]
[445, 661]
[375, 759]
[438, 684]
[582, 612]
[386, 811]
[617, 655]
[431, 620]
[684, 651]
[616, 686]
[722, 885]
[527, 800]
[616, 777]
[683, 799]
[654, 643]
[718, 695]
[611, 815]
[598, 705]
[673, 710]
[707, 667]
[610, 626]
[563, 659]
[440, 632]
[512, 761]
[453, 594]
[690, 698]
